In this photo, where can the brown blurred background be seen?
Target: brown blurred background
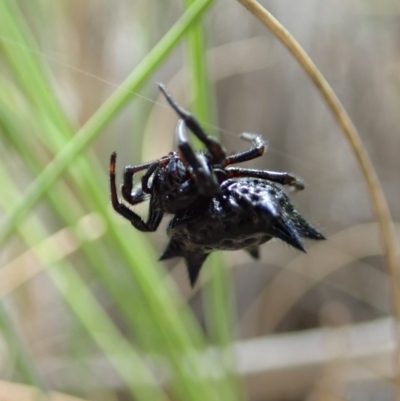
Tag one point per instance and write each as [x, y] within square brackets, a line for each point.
[91, 46]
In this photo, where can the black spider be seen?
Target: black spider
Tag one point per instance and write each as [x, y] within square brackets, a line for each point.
[215, 206]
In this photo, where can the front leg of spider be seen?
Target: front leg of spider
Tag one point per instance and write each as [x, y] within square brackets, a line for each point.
[155, 214]
[216, 151]
[207, 181]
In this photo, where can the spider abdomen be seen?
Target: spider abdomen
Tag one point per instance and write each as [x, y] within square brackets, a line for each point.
[247, 212]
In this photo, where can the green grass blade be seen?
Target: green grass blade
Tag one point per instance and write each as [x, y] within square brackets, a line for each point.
[87, 310]
[11, 124]
[136, 317]
[177, 330]
[99, 120]
[199, 84]
[19, 48]
[24, 361]
[218, 297]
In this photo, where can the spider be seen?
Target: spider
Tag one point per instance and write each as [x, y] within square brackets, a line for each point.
[215, 205]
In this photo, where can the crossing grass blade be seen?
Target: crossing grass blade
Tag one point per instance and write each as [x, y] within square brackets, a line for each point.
[218, 294]
[156, 316]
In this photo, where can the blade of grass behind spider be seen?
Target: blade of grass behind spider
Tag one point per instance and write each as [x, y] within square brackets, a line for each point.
[218, 295]
[135, 258]
[103, 115]
[24, 362]
[17, 122]
[121, 293]
[11, 123]
[118, 290]
[219, 305]
[33, 232]
[178, 330]
[21, 126]
[199, 83]
[86, 309]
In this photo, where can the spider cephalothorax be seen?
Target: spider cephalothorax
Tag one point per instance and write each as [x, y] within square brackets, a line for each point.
[216, 206]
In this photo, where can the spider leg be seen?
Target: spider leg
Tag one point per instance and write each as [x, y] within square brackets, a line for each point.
[155, 215]
[215, 149]
[145, 179]
[274, 176]
[258, 149]
[136, 196]
[208, 183]
[127, 185]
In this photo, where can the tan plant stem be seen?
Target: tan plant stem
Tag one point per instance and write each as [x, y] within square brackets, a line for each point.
[377, 196]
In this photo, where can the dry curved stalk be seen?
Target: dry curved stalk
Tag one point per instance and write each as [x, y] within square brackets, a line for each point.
[377, 196]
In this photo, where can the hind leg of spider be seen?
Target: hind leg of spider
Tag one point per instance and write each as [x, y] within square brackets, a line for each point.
[257, 150]
[215, 149]
[274, 176]
[206, 179]
[155, 215]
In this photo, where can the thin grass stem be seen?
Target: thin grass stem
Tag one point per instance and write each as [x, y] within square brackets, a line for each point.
[377, 195]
